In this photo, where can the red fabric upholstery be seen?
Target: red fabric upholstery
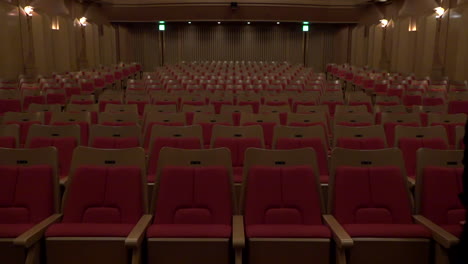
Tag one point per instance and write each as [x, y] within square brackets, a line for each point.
[56, 98]
[13, 230]
[289, 200]
[64, 146]
[102, 105]
[268, 130]
[332, 106]
[188, 204]
[297, 104]
[375, 195]
[7, 142]
[317, 144]
[84, 130]
[355, 124]
[152, 124]
[173, 142]
[428, 101]
[390, 130]
[141, 106]
[387, 230]
[361, 143]
[410, 100]
[451, 130]
[456, 230]
[439, 197]
[102, 201]
[26, 196]
[218, 104]
[32, 99]
[255, 105]
[189, 231]
[208, 129]
[9, 105]
[285, 231]
[237, 146]
[424, 119]
[115, 143]
[410, 146]
[24, 129]
[89, 230]
[456, 107]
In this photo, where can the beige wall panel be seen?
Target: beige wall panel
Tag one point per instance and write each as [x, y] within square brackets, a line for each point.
[11, 62]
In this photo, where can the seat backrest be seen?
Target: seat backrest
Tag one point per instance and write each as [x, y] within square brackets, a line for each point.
[312, 109]
[116, 135]
[197, 108]
[22, 117]
[369, 187]
[29, 185]
[225, 109]
[118, 118]
[359, 135]
[207, 195]
[117, 108]
[221, 131]
[434, 132]
[44, 108]
[275, 109]
[291, 187]
[9, 136]
[446, 118]
[354, 119]
[438, 183]
[350, 109]
[106, 186]
[159, 131]
[75, 108]
[160, 108]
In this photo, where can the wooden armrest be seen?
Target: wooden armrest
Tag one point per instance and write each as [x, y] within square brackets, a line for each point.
[444, 238]
[31, 236]
[412, 182]
[341, 237]
[138, 232]
[238, 236]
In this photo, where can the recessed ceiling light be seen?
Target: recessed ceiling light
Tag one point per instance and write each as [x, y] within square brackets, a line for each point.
[219, 23]
[190, 22]
[248, 23]
[277, 23]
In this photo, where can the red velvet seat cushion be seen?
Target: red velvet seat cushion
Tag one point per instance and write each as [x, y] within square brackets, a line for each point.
[287, 231]
[410, 146]
[390, 130]
[115, 143]
[32, 99]
[7, 142]
[387, 230]
[238, 174]
[268, 130]
[410, 100]
[456, 107]
[9, 105]
[56, 98]
[361, 143]
[88, 230]
[332, 106]
[189, 231]
[316, 143]
[13, 230]
[159, 143]
[65, 147]
[451, 130]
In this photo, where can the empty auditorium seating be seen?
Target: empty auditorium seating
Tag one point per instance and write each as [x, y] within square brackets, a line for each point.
[83, 119]
[93, 110]
[194, 222]
[235, 111]
[369, 198]
[46, 109]
[208, 121]
[360, 138]
[160, 118]
[118, 118]
[450, 122]
[391, 120]
[24, 121]
[104, 210]
[29, 192]
[283, 222]
[115, 137]
[266, 121]
[9, 136]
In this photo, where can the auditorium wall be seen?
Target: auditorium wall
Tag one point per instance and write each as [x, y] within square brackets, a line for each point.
[232, 41]
[44, 50]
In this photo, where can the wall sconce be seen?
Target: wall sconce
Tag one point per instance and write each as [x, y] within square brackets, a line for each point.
[55, 23]
[29, 10]
[412, 25]
[83, 21]
[440, 11]
[384, 23]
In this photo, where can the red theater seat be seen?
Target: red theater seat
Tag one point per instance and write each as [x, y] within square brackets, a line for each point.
[115, 143]
[64, 146]
[7, 142]
[10, 105]
[361, 143]
[268, 129]
[390, 130]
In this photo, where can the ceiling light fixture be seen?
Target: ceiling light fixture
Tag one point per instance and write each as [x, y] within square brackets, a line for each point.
[190, 22]
[277, 23]
[83, 21]
[248, 23]
[28, 10]
[384, 22]
[440, 11]
[219, 23]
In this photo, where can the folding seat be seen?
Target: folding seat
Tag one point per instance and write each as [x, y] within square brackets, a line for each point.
[104, 100]
[236, 111]
[92, 109]
[359, 98]
[459, 137]
[30, 202]
[82, 99]
[379, 109]
[351, 109]
[46, 109]
[391, 120]
[424, 111]
[237, 139]
[253, 100]
[9, 136]
[370, 202]
[195, 219]
[331, 100]
[161, 118]
[64, 138]
[411, 98]
[56, 96]
[410, 139]
[312, 109]
[284, 222]
[361, 138]
[310, 119]
[105, 209]
[438, 183]
[353, 119]
[207, 121]
[194, 100]
[314, 137]
[458, 103]
[191, 110]
[87, 86]
[24, 121]
[115, 137]
[450, 122]
[118, 118]
[32, 97]
[184, 137]
[282, 110]
[83, 119]
[433, 98]
[387, 100]
[166, 100]
[10, 101]
[266, 121]
[305, 98]
[276, 100]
